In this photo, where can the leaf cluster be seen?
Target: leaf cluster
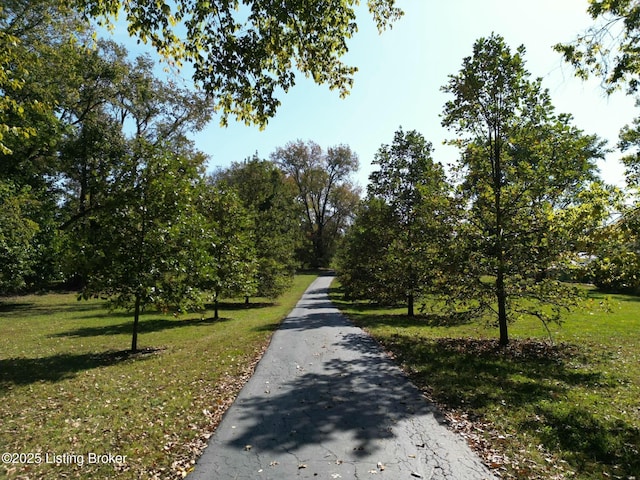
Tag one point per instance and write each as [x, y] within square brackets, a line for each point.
[608, 49]
[244, 53]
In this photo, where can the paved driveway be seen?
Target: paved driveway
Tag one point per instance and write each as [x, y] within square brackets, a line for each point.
[326, 403]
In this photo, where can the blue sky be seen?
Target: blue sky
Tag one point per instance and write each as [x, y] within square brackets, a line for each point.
[402, 70]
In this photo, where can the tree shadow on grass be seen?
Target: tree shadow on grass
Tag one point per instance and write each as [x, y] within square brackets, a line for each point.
[431, 319]
[530, 376]
[232, 306]
[399, 320]
[145, 326]
[222, 306]
[24, 371]
[29, 309]
[14, 307]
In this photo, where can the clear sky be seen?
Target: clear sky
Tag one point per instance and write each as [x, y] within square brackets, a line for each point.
[401, 73]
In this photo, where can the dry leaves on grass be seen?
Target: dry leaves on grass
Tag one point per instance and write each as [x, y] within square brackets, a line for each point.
[220, 397]
[524, 349]
[483, 437]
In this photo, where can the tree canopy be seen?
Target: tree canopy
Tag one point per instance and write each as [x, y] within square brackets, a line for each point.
[270, 201]
[394, 251]
[325, 191]
[244, 53]
[526, 175]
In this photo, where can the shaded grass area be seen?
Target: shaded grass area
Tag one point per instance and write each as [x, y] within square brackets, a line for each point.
[570, 409]
[68, 384]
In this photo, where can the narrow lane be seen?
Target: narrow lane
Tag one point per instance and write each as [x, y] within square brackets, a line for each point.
[325, 403]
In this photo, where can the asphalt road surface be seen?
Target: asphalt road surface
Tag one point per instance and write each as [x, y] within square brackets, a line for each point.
[326, 403]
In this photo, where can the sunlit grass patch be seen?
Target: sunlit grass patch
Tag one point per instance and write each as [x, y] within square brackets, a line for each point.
[68, 384]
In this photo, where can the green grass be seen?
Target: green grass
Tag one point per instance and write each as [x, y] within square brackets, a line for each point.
[69, 386]
[570, 409]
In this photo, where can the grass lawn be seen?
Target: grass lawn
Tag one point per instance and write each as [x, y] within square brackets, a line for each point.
[570, 409]
[69, 388]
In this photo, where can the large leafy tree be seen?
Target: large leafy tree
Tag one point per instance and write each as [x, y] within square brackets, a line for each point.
[132, 181]
[271, 202]
[525, 182]
[229, 263]
[327, 196]
[614, 264]
[243, 53]
[39, 67]
[144, 243]
[610, 51]
[404, 226]
[361, 262]
[116, 97]
[616, 248]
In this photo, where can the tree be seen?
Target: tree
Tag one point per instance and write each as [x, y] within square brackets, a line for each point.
[404, 226]
[327, 196]
[271, 202]
[17, 254]
[132, 202]
[609, 49]
[116, 97]
[38, 72]
[145, 240]
[229, 267]
[526, 175]
[614, 264]
[242, 53]
[615, 249]
[361, 263]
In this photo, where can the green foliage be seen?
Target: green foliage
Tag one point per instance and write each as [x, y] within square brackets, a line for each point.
[17, 230]
[528, 184]
[38, 44]
[228, 265]
[396, 248]
[615, 250]
[609, 49]
[244, 52]
[614, 262]
[359, 261]
[325, 192]
[142, 247]
[271, 202]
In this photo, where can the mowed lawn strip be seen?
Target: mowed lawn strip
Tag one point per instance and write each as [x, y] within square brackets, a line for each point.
[69, 388]
[570, 409]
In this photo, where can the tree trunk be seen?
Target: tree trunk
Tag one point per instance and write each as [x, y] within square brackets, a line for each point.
[410, 302]
[502, 308]
[215, 308]
[318, 249]
[501, 292]
[136, 318]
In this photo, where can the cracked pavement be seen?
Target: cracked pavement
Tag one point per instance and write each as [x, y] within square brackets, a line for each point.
[325, 403]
